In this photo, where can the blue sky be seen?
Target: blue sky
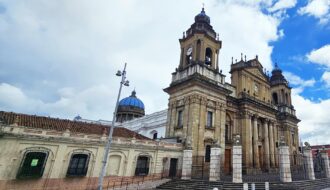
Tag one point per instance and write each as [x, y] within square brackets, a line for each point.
[303, 33]
[58, 58]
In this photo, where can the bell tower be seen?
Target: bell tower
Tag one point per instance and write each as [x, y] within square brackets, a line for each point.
[197, 102]
[200, 44]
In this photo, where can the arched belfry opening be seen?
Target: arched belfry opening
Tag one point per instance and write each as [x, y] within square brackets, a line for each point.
[275, 98]
[208, 56]
[198, 50]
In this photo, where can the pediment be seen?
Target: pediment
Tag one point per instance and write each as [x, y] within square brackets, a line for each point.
[257, 72]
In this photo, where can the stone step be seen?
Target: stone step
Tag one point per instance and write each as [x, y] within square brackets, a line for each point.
[178, 184]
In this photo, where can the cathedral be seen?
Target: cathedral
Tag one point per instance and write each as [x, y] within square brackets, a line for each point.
[205, 111]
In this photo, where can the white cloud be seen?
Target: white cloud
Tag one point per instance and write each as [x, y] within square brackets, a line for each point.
[326, 78]
[318, 9]
[283, 4]
[320, 56]
[89, 103]
[54, 51]
[296, 80]
[315, 121]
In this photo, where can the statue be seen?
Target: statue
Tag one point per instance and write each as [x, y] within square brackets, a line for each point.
[307, 146]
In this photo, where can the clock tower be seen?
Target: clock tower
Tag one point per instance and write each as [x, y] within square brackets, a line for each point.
[200, 44]
[197, 102]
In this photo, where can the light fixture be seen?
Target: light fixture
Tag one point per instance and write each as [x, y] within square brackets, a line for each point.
[126, 83]
[118, 73]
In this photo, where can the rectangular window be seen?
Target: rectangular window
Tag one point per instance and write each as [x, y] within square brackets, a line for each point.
[142, 166]
[78, 165]
[32, 165]
[209, 121]
[180, 120]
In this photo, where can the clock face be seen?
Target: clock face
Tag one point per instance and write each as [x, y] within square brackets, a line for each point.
[189, 51]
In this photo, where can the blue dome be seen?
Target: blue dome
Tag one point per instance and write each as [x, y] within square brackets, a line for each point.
[133, 101]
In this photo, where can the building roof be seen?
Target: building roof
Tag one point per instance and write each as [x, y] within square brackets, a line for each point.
[133, 101]
[49, 123]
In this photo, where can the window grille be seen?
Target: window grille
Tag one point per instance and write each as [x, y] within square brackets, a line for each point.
[33, 165]
[78, 165]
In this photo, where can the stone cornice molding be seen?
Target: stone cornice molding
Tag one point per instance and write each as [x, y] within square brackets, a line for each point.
[203, 101]
[194, 99]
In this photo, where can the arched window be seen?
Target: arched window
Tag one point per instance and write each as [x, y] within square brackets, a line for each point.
[208, 56]
[275, 98]
[228, 128]
[32, 165]
[189, 55]
[142, 166]
[78, 165]
[207, 153]
[154, 136]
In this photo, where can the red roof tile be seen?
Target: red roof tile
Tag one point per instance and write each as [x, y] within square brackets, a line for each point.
[49, 123]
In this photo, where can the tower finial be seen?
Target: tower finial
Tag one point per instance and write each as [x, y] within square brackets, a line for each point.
[203, 6]
[245, 58]
[232, 60]
[241, 56]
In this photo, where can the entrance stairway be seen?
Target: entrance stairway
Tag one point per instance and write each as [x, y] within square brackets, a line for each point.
[178, 184]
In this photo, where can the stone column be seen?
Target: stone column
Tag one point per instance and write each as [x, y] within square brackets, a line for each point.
[173, 120]
[285, 171]
[309, 163]
[266, 140]
[193, 122]
[222, 133]
[186, 164]
[215, 164]
[255, 143]
[276, 139]
[217, 123]
[201, 127]
[237, 164]
[247, 140]
[325, 159]
[185, 118]
[271, 145]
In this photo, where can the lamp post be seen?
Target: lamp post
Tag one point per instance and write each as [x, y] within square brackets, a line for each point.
[124, 82]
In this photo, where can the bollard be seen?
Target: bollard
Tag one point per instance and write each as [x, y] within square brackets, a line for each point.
[253, 186]
[245, 186]
[267, 185]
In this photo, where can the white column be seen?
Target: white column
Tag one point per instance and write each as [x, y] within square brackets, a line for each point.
[285, 171]
[186, 164]
[325, 158]
[309, 163]
[237, 164]
[215, 164]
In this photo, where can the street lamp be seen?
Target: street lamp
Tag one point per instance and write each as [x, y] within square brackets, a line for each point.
[124, 82]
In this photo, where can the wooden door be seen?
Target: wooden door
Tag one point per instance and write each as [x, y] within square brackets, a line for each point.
[227, 167]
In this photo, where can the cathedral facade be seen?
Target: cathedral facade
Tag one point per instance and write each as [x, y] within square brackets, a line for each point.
[205, 111]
